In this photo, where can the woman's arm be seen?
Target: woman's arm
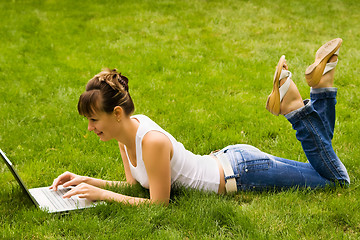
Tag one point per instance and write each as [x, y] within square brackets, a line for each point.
[157, 152]
[93, 193]
[68, 179]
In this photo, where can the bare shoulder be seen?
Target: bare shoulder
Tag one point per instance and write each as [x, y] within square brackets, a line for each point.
[155, 138]
[157, 141]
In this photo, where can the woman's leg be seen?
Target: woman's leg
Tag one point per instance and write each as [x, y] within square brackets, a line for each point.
[316, 143]
[324, 101]
[313, 134]
[323, 98]
[256, 170]
[319, 122]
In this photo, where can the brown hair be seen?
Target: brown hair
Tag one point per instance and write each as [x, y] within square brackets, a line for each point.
[104, 92]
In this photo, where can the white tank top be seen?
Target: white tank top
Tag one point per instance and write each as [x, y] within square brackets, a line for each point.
[187, 169]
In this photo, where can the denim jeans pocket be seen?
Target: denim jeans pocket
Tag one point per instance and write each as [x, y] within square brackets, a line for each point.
[253, 160]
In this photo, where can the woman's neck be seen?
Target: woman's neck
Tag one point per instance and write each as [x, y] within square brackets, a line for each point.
[127, 134]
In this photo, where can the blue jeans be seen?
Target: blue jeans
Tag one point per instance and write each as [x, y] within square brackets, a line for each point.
[314, 125]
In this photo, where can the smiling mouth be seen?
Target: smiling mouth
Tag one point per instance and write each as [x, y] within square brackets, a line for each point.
[99, 133]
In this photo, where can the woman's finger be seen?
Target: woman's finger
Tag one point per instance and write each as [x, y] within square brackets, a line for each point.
[73, 182]
[80, 189]
[82, 196]
[71, 193]
[61, 179]
[56, 183]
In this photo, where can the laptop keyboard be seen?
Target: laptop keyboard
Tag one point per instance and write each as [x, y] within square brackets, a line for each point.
[55, 197]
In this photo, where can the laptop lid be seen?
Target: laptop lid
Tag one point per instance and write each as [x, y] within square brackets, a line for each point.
[17, 177]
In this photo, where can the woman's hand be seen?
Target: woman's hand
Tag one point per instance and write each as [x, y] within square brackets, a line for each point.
[67, 179]
[84, 190]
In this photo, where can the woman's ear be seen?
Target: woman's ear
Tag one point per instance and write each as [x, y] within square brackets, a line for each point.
[119, 113]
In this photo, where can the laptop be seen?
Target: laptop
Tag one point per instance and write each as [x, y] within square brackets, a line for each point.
[47, 199]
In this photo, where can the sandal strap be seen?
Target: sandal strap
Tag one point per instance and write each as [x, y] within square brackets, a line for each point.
[285, 87]
[331, 65]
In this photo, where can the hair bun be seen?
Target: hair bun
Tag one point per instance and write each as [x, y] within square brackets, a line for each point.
[114, 79]
[121, 79]
[124, 82]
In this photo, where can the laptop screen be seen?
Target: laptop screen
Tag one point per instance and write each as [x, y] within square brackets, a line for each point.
[17, 177]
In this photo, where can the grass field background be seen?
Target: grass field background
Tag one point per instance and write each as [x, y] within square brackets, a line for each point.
[202, 70]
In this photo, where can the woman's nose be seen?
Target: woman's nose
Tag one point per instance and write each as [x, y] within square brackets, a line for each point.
[90, 126]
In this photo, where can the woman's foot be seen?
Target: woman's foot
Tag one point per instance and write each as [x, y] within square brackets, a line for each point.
[324, 55]
[292, 100]
[327, 80]
[285, 96]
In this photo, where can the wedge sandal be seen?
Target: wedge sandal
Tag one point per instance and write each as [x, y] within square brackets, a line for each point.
[321, 66]
[278, 93]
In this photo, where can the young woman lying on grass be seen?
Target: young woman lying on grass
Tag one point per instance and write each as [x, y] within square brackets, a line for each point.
[153, 158]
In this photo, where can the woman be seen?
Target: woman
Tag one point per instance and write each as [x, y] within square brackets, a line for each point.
[153, 158]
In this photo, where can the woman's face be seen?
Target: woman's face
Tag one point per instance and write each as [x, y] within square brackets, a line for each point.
[103, 125]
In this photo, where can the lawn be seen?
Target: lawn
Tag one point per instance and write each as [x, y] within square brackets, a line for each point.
[202, 70]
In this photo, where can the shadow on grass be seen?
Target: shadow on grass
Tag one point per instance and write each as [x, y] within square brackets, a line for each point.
[13, 199]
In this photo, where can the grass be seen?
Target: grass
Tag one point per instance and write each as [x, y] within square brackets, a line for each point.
[202, 70]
